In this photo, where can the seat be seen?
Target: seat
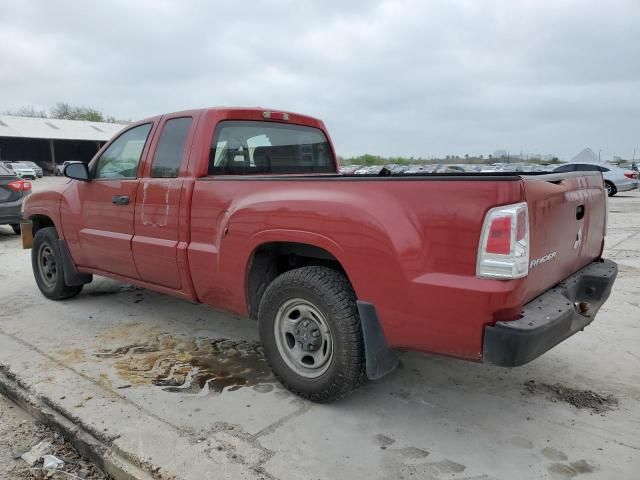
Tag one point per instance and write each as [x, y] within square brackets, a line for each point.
[262, 160]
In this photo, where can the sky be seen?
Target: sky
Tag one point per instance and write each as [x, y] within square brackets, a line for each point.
[392, 78]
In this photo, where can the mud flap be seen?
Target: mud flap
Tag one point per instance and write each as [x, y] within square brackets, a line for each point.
[380, 358]
[72, 277]
[26, 235]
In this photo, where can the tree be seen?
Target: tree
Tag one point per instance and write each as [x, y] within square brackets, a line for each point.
[64, 111]
[28, 111]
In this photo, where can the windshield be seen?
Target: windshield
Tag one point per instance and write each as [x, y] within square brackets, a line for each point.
[245, 148]
[5, 171]
[19, 165]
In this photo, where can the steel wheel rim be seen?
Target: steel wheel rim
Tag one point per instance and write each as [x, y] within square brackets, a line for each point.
[303, 338]
[47, 265]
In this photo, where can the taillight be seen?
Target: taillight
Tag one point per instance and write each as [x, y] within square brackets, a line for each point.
[504, 244]
[632, 175]
[19, 185]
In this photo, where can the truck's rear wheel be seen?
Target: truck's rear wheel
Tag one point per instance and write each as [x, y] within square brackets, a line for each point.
[311, 334]
[46, 261]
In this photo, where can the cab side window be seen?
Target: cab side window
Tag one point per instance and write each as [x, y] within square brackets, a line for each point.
[122, 157]
[170, 149]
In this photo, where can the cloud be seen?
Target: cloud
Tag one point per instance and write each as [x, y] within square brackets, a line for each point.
[393, 78]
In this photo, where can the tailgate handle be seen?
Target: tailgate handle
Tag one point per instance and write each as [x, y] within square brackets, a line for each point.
[579, 212]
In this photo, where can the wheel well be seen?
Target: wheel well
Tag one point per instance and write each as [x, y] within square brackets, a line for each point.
[41, 221]
[272, 259]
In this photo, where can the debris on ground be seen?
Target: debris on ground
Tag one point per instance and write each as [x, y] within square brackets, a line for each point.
[51, 462]
[36, 452]
[30, 450]
[573, 396]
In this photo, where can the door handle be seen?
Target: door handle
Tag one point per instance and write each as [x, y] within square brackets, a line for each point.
[120, 200]
[579, 212]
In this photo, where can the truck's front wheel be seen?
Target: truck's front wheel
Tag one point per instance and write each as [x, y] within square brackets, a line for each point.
[311, 334]
[46, 261]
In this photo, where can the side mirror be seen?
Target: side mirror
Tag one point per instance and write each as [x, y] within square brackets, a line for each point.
[77, 171]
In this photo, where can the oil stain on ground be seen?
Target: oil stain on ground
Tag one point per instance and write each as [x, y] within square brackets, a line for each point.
[195, 366]
[576, 397]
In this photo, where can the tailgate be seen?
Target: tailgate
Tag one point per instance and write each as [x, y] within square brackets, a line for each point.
[567, 225]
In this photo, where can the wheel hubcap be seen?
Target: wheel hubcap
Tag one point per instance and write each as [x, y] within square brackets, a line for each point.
[47, 264]
[303, 338]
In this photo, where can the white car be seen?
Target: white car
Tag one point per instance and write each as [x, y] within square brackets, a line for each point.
[349, 169]
[60, 169]
[36, 168]
[616, 179]
[22, 170]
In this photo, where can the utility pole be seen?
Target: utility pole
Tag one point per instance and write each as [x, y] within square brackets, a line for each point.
[599, 155]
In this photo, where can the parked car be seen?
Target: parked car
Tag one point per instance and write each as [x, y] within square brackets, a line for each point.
[349, 169]
[21, 169]
[395, 168]
[60, 168]
[13, 191]
[369, 170]
[616, 179]
[338, 271]
[421, 169]
[36, 168]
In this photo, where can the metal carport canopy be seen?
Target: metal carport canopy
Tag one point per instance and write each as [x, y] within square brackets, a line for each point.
[54, 129]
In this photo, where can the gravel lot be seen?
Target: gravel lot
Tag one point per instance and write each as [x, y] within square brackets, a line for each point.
[123, 365]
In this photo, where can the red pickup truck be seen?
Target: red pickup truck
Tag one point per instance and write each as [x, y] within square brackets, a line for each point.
[243, 209]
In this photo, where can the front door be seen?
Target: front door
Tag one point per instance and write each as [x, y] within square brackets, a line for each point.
[104, 228]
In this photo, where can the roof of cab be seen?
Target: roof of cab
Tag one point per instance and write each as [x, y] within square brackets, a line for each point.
[247, 113]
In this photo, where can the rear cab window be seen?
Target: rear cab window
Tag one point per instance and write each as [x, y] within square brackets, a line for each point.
[255, 147]
[171, 148]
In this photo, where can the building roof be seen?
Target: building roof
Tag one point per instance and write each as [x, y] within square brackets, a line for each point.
[50, 128]
[585, 156]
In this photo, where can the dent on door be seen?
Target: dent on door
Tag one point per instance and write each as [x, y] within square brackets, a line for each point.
[156, 236]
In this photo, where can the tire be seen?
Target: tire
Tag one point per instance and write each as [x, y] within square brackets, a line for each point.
[333, 363]
[46, 261]
[16, 228]
[611, 188]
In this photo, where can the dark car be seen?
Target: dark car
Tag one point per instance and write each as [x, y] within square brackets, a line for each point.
[13, 190]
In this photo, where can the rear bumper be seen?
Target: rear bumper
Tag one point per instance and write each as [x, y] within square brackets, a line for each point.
[10, 212]
[551, 318]
[625, 187]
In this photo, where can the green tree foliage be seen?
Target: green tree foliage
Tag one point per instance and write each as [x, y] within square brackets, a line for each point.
[64, 111]
[368, 159]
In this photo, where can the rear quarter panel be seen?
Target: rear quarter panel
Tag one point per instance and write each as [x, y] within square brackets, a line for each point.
[409, 247]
